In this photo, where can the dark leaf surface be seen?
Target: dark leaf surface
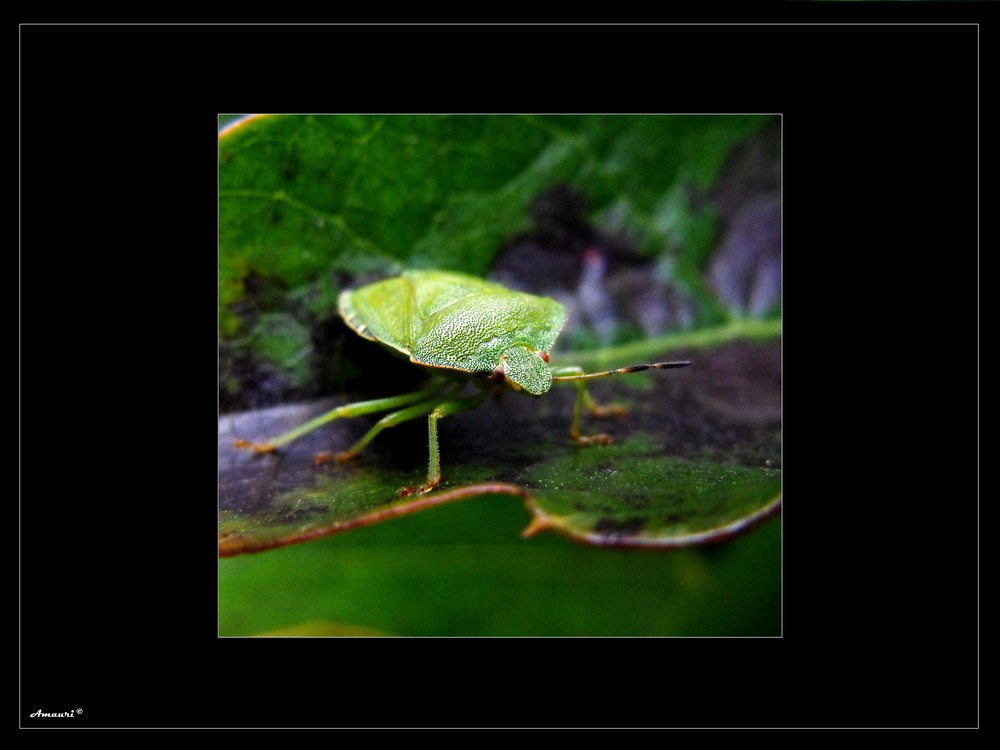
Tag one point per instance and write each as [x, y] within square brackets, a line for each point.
[696, 458]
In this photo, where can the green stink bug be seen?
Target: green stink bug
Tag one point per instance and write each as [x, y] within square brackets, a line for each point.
[464, 329]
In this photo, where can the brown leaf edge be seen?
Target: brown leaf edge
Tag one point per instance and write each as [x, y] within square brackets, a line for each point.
[545, 522]
[234, 544]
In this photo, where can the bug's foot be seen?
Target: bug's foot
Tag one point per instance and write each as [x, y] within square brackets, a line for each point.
[599, 439]
[421, 490]
[255, 447]
[333, 458]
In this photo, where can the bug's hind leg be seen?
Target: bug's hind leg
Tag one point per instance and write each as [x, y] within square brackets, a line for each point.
[347, 410]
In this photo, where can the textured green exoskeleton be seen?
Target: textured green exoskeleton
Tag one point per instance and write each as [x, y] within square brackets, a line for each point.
[463, 328]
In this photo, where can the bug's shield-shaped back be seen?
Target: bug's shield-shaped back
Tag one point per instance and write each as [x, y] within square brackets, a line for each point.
[450, 320]
[381, 312]
[473, 332]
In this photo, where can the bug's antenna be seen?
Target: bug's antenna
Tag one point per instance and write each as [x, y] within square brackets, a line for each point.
[624, 370]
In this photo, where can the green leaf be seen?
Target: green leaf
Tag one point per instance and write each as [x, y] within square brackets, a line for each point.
[631, 496]
[463, 570]
[309, 205]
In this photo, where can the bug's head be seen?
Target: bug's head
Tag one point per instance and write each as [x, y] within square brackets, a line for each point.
[523, 369]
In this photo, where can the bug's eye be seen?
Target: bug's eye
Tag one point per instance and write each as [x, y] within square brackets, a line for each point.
[543, 355]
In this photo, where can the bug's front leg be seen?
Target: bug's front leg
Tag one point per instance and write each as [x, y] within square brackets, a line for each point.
[433, 453]
[585, 401]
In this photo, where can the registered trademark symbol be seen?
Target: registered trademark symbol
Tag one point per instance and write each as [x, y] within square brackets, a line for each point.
[79, 710]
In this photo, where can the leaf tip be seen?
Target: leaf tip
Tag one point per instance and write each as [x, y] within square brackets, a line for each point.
[538, 523]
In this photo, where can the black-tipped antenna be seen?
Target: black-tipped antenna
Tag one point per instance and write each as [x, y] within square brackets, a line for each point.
[624, 370]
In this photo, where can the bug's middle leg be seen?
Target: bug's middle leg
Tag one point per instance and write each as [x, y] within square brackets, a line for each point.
[389, 420]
